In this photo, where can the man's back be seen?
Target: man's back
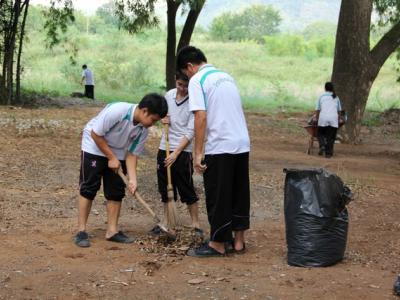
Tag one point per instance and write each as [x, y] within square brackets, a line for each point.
[216, 92]
[89, 78]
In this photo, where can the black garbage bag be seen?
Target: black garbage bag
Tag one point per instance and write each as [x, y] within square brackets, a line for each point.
[396, 286]
[316, 217]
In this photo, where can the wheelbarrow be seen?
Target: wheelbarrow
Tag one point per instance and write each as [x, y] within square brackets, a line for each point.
[313, 132]
[312, 129]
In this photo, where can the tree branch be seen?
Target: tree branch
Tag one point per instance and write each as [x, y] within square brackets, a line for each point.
[190, 23]
[386, 46]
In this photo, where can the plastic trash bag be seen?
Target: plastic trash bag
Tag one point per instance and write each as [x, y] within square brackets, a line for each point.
[396, 286]
[316, 217]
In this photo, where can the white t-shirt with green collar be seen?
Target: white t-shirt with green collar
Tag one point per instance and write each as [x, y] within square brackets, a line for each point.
[115, 124]
[181, 122]
[215, 92]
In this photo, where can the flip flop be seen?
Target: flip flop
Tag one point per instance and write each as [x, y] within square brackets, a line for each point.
[120, 237]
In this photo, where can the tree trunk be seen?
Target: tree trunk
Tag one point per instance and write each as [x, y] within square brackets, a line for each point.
[184, 39]
[356, 66]
[9, 49]
[21, 40]
[190, 23]
[170, 67]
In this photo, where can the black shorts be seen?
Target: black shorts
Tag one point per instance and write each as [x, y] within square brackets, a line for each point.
[227, 189]
[89, 91]
[93, 169]
[181, 177]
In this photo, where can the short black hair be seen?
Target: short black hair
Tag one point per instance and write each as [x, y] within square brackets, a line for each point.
[180, 76]
[189, 54]
[155, 104]
[84, 66]
[330, 87]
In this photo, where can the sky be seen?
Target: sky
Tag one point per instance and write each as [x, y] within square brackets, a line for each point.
[87, 6]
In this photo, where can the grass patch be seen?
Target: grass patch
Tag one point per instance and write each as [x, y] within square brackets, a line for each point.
[372, 118]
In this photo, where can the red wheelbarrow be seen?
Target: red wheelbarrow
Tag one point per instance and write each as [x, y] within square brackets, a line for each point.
[312, 129]
[313, 132]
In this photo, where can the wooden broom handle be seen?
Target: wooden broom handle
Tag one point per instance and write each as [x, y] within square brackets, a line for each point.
[166, 131]
[137, 195]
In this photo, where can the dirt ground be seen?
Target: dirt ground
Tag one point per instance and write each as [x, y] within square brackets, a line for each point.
[39, 169]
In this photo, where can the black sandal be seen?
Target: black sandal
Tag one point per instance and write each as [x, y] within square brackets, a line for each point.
[241, 251]
[120, 237]
[156, 230]
[204, 251]
[82, 239]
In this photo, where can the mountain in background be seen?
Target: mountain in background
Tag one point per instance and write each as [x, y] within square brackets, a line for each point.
[296, 14]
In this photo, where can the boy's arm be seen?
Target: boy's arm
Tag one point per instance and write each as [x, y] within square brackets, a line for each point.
[131, 163]
[317, 109]
[185, 141]
[174, 155]
[197, 105]
[200, 124]
[316, 113]
[113, 162]
[340, 113]
[134, 151]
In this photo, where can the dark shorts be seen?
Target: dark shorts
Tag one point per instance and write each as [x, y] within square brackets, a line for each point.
[93, 169]
[227, 188]
[89, 91]
[181, 177]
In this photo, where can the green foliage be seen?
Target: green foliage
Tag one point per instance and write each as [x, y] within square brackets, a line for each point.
[296, 45]
[388, 10]
[319, 30]
[372, 119]
[107, 12]
[253, 23]
[58, 20]
[35, 21]
[135, 15]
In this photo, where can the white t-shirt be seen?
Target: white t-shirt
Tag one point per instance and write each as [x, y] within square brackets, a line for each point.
[115, 124]
[215, 91]
[329, 108]
[88, 74]
[181, 122]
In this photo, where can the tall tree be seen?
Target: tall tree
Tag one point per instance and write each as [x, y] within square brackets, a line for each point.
[134, 15]
[20, 47]
[10, 17]
[356, 63]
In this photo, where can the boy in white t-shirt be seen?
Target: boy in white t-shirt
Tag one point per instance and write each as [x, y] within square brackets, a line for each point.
[114, 139]
[215, 101]
[88, 79]
[181, 123]
[328, 111]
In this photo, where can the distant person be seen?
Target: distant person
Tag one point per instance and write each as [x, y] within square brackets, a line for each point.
[88, 79]
[181, 131]
[114, 139]
[328, 111]
[215, 101]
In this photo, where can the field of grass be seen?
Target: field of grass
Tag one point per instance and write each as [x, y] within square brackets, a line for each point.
[126, 67]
